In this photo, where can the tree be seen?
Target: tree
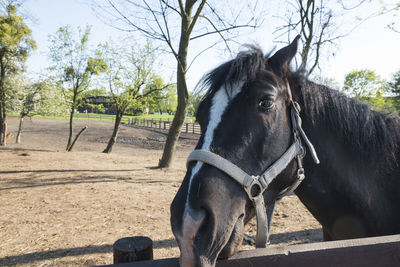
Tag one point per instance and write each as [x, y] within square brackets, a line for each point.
[129, 70]
[362, 83]
[15, 45]
[319, 26]
[393, 86]
[39, 98]
[367, 86]
[29, 99]
[163, 100]
[75, 65]
[194, 101]
[157, 20]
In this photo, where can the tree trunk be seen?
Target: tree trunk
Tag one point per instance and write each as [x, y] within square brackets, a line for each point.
[18, 138]
[2, 103]
[76, 139]
[182, 92]
[114, 135]
[2, 129]
[71, 117]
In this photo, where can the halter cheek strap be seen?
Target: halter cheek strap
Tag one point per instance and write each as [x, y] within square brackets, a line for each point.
[255, 186]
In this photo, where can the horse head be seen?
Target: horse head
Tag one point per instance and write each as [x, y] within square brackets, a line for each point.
[245, 119]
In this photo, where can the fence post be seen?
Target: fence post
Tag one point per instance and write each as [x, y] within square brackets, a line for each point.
[193, 128]
[129, 249]
[187, 124]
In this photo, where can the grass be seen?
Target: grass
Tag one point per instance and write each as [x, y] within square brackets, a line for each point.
[110, 117]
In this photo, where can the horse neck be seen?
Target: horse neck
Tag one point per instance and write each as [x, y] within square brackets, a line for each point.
[346, 166]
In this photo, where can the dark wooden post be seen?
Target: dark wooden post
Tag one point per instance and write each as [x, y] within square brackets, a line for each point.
[187, 125]
[136, 248]
[159, 125]
[193, 127]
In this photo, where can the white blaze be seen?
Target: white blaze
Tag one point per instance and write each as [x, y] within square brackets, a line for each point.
[219, 104]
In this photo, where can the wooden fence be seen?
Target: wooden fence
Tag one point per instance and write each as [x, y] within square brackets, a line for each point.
[382, 251]
[188, 127]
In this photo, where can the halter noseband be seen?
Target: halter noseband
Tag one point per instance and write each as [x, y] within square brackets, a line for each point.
[262, 181]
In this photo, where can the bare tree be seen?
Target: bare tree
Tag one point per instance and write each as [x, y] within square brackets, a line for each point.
[176, 23]
[318, 25]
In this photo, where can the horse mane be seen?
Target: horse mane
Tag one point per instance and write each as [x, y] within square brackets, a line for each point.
[244, 67]
[374, 135]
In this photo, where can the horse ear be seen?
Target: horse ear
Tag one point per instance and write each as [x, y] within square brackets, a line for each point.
[280, 61]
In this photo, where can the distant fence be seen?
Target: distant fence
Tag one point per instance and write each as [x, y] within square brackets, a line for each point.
[98, 117]
[188, 127]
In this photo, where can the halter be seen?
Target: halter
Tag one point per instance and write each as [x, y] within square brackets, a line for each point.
[261, 182]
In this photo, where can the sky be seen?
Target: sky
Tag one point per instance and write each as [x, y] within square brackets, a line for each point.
[371, 46]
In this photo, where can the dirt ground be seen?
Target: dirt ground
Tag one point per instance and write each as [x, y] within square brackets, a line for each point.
[67, 209]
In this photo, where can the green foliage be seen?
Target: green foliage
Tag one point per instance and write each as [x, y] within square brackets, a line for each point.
[50, 101]
[194, 101]
[15, 44]
[367, 86]
[15, 37]
[394, 84]
[162, 97]
[362, 83]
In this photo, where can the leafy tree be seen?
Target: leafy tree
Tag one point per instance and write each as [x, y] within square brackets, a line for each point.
[15, 45]
[42, 97]
[194, 101]
[362, 83]
[75, 64]
[129, 70]
[367, 86]
[163, 100]
[52, 100]
[393, 86]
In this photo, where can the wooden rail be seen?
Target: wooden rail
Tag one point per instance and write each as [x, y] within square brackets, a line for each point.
[382, 251]
[188, 127]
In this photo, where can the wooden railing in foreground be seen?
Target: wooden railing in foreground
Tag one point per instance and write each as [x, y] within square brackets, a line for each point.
[382, 251]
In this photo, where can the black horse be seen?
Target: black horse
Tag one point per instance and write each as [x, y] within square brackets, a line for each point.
[246, 119]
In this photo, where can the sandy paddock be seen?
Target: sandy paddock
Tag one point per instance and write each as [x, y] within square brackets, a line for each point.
[67, 209]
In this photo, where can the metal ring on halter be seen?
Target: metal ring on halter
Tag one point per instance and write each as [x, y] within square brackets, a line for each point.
[302, 152]
[249, 188]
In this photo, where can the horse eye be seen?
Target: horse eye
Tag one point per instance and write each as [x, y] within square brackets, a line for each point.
[266, 104]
